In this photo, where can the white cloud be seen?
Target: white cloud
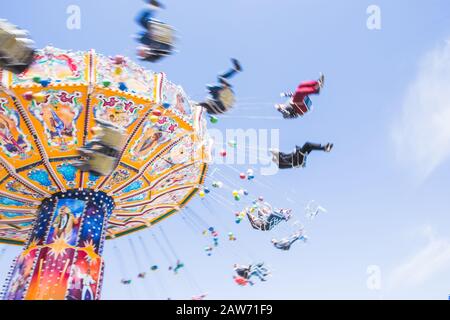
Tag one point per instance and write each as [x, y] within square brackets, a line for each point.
[422, 266]
[422, 133]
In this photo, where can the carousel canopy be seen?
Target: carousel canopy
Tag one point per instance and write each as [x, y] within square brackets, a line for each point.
[48, 112]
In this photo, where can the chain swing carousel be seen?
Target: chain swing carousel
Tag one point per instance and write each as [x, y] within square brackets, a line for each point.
[62, 215]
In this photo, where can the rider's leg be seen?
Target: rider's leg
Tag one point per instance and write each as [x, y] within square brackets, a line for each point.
[308, 147]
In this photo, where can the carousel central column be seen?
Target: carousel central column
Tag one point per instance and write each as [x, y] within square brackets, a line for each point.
[62, 259]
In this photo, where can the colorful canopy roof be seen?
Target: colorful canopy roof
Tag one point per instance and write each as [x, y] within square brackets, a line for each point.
[160, 169]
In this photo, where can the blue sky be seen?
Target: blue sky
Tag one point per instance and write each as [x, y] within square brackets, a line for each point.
[385, 185]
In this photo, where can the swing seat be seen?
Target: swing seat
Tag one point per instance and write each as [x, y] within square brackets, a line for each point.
[162, 32]
[158, 42]
[226, 97]
[101, 154]
[303, 108]
[16, 54]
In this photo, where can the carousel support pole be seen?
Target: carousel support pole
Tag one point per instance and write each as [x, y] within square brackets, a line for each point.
[62, 258]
